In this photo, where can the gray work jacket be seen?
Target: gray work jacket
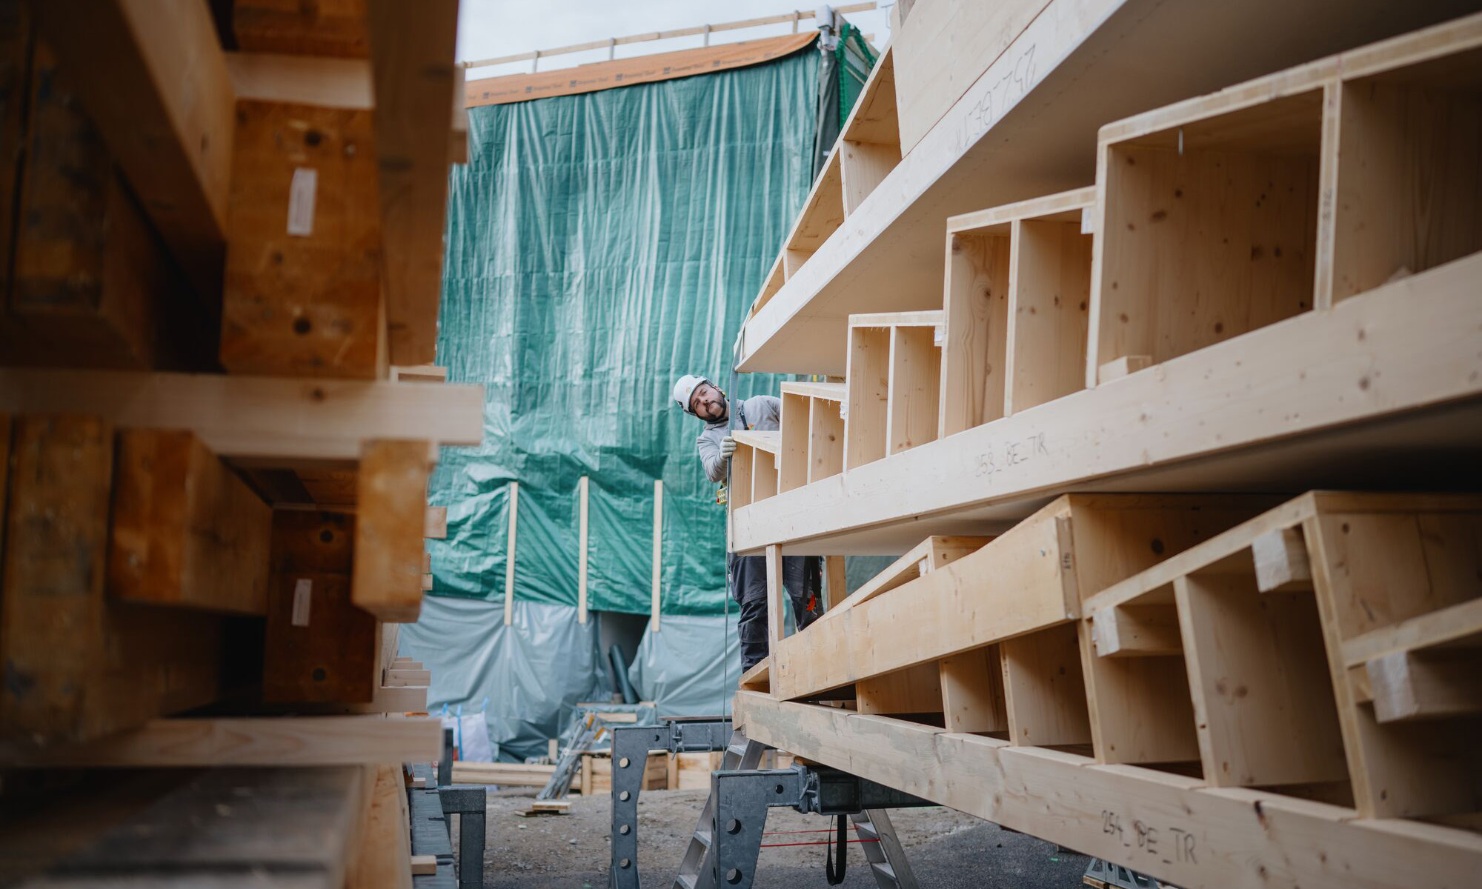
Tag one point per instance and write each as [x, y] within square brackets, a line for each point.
[760, 412]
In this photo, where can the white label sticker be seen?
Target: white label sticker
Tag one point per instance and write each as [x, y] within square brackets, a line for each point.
[1088, 221]
[301, 201]
[302, 590]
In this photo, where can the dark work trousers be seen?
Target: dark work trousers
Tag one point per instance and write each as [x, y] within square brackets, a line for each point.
[747, 576]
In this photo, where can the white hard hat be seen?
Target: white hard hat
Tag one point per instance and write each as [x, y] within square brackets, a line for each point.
[686, 387]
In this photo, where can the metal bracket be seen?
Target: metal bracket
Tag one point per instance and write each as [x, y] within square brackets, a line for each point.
[630, 747]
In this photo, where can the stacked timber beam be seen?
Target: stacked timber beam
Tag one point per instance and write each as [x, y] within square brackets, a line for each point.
[1124, 619]
[218, 413]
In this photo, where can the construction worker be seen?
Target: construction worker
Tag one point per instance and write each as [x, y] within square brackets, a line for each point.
[747, 575]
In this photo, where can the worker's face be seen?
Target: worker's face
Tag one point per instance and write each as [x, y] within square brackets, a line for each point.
[708, 403]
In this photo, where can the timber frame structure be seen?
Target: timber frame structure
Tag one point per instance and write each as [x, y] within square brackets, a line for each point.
[1142, 380]
[222, 235]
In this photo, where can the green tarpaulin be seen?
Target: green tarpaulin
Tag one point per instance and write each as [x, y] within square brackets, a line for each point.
[598, 246]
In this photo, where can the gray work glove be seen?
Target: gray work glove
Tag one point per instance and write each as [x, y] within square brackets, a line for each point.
[727, 447]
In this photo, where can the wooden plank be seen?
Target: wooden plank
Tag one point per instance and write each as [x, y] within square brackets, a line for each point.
[1097, 808]
[823, 211]
[868, 380]
[836, 582]
[597, 76]
[390, 528]
[581, 559]
[257, 419]
[975, 332]
[1048, 313]
[301, 80]
[424, 865]
[318, 646]
[1407, 685]
[915, 690]
[656, 603]
[266, 741]
[776, 628]
[435, 523]
[1140, 708]
[915, 381]
[422, 373]
[412, 51]
[384, 861]
[303, 274]
[763, 474]
[972, 692]
[186, 531]
[157, 88]
[1136, 631]
[1242, 196]
[325, 28]
[1454, 625]
[1264, 706]
[1406, 191]
[1044, 688]
[825, 439]
[502, 773]
[1281, 561]
[509, 553]
[402, 678]
[943, 49]
[864, 165]
[792, 456]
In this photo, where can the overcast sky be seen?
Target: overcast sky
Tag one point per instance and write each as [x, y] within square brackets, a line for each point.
[492, 28]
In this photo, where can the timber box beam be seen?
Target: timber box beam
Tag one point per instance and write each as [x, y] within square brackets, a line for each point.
[156, 84]
[254, 419]
[1296, 389]
[1163, 825]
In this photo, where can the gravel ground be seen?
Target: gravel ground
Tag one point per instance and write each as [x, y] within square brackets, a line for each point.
[947, 849]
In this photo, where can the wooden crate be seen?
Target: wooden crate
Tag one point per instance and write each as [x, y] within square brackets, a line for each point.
[596, 772]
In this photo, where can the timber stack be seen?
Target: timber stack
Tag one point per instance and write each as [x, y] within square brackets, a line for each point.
[1155, 345]
[218, 413]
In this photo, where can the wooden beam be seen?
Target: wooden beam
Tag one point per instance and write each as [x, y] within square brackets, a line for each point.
[1191, 835]
[509, 554]
[1136, 631]
[266, 741]
[186, 531]
[385, 859]
[1425, 685]
[319, 647]
[502, 773]
[156, 84]
[422, 373]
[435, 523]
[78, 665]
[389, 529]
[1281, 561]
[303, 273]
[253, 418]
[776, 629]
[656, 605]
[412, 50]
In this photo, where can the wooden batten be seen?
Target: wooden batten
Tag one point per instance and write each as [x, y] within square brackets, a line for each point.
[390, 529]
[186, 530]
[303, 272]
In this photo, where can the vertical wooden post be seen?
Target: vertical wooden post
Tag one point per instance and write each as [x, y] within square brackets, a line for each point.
[658, 550]
[390, 528]
[581, 560]
[836, 587]
[509, 563]
[774, 594]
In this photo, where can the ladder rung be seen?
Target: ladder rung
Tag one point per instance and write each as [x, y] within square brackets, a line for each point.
[866, 831]
[684, 881]
[702, 835]
[884, 868]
